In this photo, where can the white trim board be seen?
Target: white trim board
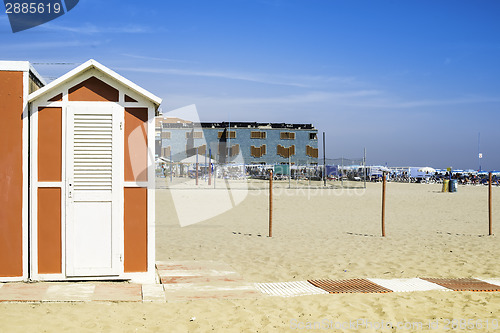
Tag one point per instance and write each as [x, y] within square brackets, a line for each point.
[20, 66]
[90, 64]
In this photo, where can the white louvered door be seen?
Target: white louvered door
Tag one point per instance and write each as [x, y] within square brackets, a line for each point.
[94, 188]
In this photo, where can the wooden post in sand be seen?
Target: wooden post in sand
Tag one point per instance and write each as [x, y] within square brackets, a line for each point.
[215, 173]
[383, 204]
[209, 167]
[171, 166]
[271, 203]
[324, 161]
[489, 206]
[196, 166]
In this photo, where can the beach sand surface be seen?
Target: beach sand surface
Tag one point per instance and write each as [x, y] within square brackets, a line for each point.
[317, 234]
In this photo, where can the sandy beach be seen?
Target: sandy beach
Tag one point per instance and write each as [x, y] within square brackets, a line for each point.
[317, 234]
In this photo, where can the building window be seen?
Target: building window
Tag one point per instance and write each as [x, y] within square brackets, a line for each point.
[194, 135]
[285, 152]
[257, 135]
[192, 151]
[287, 136]
[165, 152]
[311, 151]
[313, 136]
[234, 150]
[232, 134]
[258, 151]
[202, 150]
[166, 135]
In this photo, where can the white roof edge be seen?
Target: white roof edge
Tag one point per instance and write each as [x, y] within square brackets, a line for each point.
[37, 75]
[22, 66]
[18, 66]
[58, 81]
[87, 65]
[155, 99]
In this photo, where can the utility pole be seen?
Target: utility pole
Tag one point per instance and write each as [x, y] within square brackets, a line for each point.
[479, 155]
[364, 167]
[324, 161]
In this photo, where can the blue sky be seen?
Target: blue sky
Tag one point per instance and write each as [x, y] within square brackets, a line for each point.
[412, 81]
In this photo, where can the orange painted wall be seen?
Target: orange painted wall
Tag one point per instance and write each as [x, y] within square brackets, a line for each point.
[136, 144]
[56, 98]
[11, 174]
[93, 89]
[49, 144]
[49, 230]
[129, 99]
[136, 222]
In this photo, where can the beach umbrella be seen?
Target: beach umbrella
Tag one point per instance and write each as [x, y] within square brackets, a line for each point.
[427, 170]
[163, 160]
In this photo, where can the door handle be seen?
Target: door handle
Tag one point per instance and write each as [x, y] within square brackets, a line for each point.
[70, 190]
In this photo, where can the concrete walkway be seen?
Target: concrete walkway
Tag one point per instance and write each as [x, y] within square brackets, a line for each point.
[179, 281]
[193, 280]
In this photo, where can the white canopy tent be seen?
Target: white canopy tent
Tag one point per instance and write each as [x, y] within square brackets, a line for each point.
[201, 160]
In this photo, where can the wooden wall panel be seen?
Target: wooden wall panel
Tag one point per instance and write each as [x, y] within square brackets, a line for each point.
[49, 231]
[136, 144]
[49, 144]
[11, 174]
[56, 98]
[136, 235]
[93, 90]
[129, 99]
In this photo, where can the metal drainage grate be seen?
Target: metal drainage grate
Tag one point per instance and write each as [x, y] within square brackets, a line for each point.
[349, 286]
[464, 284]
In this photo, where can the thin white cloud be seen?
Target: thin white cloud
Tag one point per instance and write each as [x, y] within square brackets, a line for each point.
[155, 58]
[360, 99]
[89, 28]
[310, 97]
[213, 74]
[301, 81]
[54, 45]
[385, 102]
[294, 99]
[442, 102]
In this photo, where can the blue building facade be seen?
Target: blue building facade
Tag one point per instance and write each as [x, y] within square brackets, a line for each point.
[240, 142]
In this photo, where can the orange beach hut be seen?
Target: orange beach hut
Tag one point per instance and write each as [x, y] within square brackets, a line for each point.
[76, 175]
